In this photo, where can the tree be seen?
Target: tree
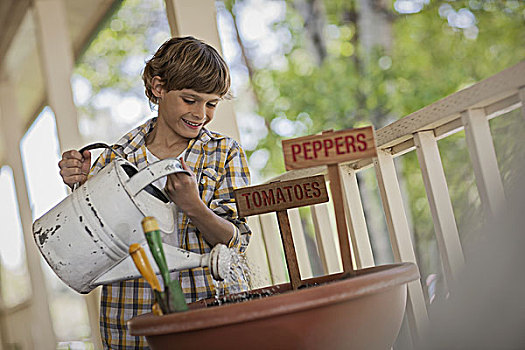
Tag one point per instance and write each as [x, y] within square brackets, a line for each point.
[436, 48]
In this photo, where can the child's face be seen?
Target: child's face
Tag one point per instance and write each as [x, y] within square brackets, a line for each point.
[186, 111]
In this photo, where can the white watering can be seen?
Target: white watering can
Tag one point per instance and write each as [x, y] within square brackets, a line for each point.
[85, 238]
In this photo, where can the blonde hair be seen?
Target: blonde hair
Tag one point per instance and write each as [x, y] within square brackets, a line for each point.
[187, 63]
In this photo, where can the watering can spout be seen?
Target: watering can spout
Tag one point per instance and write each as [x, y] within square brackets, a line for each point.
[218, 260]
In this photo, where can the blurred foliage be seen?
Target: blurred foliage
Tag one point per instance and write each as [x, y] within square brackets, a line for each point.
[110, 69]
[134, 30]
[430, 58]
[298, 94]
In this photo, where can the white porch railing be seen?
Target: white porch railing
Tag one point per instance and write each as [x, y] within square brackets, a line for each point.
[469, 109]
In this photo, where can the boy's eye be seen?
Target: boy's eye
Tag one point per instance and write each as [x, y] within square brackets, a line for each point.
[188, 101]
[212, 105]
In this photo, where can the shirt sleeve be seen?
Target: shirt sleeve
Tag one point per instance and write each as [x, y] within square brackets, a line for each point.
[236, 175]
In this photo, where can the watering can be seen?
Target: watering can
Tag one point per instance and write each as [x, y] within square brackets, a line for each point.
[85, 238]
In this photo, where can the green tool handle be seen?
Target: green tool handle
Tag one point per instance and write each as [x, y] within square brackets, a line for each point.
[173, 290]
[177, 302]
[155, 245]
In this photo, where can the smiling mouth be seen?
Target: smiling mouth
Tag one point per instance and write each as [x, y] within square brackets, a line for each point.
[191, 124]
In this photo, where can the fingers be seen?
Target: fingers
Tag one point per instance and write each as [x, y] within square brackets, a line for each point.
[71, 154]
[181, 181]
[74, 167]
[184, 165]
[86, 165]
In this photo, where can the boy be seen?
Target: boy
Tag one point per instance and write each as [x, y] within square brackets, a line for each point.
[186, 78]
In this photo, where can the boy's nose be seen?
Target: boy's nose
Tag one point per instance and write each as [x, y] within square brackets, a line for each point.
[199, 111]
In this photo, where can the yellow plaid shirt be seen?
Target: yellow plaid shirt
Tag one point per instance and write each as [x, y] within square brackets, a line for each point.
[220, 166]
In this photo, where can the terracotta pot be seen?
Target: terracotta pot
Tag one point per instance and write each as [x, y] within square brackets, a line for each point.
[360, 312]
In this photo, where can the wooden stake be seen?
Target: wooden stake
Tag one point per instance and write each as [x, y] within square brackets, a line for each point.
[289, 249]
[337, 198]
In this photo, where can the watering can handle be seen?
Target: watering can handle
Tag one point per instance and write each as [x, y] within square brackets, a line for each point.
[89, 148]
[152, 173]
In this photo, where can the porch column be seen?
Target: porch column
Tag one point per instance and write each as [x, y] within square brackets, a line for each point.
[56, 55]
[199, 19]
[41, 325]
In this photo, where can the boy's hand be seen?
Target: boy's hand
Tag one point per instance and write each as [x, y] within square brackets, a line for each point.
[74, 167]
[183, 190]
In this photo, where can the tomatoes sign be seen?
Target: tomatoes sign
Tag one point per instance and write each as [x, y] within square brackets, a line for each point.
[329, 148]
[278, 196]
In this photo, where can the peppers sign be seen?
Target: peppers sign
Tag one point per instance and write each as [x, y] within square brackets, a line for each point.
[277, 196]
[329, 148]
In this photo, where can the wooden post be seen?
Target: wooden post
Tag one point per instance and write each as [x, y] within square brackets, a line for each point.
[336, 191]
[289, 249]
[280, 196]
[331, 148]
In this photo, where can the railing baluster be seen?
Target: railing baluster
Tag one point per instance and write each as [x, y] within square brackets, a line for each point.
[440, 205]
[300, 243]
[326, 239]
[400, 238]
[272, 241]
[355, 217]
[257, 256]
[484, 162]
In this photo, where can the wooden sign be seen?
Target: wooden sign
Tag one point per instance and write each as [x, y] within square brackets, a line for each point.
[278, 196]
[329, 148]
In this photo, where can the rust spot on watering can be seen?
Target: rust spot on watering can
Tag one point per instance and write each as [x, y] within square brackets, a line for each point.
[169, 167]
[96, 215]
[43, 236]
[88, 231]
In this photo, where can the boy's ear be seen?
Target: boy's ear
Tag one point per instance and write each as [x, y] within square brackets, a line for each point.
[157, 86]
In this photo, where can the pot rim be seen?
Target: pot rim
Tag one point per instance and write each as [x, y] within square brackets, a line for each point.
[367, 281]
